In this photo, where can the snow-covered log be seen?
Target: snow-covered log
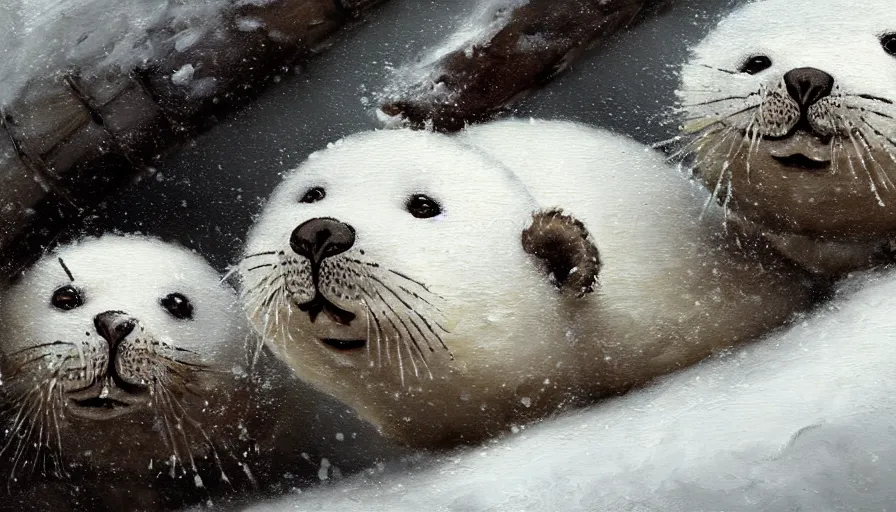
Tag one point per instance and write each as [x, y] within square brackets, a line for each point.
[92, 92]
[504, 50]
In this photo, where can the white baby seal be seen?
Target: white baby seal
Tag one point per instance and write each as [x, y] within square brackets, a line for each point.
[789, 117]
[417, 279]
[120, 356]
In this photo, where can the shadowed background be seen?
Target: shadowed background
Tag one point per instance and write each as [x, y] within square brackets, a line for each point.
[206, 196]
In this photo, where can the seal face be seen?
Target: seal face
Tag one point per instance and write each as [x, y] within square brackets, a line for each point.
[390, 271]
[789, 112]
[113, 353]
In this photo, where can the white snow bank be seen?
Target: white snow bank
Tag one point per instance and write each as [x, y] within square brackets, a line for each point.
[40, 37]
[805, 420]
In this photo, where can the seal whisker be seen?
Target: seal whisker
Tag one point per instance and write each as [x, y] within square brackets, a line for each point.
[883, 147]
[168, 437]
[39, 346]
[865, 148]
[871, 111]
[40, 440]
[398, 351]
[877, 131]
[398, 338]
[264, 283]
[707, 66]
[716, 189]
[22, 446]
[418, 283]
[262, 253]
[367, 337]
[381, 338]
[172, 400]
[696, 142]
[60, 462]
[861, 159]
[27, 418]
[407, 305]
[25, 364]
[719, 100]
[379, 354]
[716, 120]
[871, 97]
[755, 137]
[849, 160]
[398, 331]
[28, 407]
[726, 170]
[429, 327]
[871, 184]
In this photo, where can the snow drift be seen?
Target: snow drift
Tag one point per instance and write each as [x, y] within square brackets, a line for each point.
[803, 420]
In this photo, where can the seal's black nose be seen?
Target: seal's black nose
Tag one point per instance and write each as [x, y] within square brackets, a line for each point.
[808, 85]
[114, 326]
[321, 238]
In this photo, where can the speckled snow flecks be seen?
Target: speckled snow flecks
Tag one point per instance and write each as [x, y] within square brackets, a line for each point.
[803, 420]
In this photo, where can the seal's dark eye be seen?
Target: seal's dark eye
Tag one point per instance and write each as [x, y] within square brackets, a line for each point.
[67, 298]
[422, 206]
[756, 64]
[178, 305]
[314, 194]
[889, 43]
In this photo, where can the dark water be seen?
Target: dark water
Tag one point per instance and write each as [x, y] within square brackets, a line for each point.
[206, 196]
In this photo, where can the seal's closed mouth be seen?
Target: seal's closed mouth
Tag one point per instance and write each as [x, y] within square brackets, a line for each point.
[98, 407]
[344, 344]
[100, 403]
[801, 161]
[319, 304]
[801, 151]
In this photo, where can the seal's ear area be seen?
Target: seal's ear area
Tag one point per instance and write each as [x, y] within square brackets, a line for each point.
[563, 245]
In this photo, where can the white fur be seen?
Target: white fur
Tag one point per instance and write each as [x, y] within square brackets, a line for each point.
[130, 274]
[668, 295]
[670, 290]
[800, 421]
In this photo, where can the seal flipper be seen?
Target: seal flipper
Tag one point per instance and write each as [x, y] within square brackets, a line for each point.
[563, 245]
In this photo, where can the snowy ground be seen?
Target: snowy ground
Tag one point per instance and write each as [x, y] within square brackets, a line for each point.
[804, 420]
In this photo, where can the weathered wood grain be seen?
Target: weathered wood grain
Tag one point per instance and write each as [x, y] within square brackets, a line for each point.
[74, 135]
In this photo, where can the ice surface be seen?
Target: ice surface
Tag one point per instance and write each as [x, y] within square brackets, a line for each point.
[804, 420]
[40, 37]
